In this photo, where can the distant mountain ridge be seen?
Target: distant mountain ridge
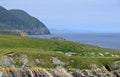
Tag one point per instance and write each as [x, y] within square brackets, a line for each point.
[19, 20]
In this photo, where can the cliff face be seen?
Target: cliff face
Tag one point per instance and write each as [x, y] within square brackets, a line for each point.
[18, 20]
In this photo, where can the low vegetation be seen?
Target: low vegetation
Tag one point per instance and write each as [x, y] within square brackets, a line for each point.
[2, 32]
[39, 52]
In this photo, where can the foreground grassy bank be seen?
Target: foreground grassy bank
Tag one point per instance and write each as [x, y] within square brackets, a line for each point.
[39, 52]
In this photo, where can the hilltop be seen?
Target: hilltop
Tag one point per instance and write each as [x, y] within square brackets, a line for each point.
[19, 20]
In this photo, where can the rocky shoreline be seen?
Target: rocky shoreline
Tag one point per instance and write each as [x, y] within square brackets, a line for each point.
[57, 72]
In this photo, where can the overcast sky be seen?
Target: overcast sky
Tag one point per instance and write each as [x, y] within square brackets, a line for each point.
[75, 15]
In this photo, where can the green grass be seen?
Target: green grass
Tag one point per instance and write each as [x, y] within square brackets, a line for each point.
[50, 45]
[38, 48]
[79, 62]
[2, 32]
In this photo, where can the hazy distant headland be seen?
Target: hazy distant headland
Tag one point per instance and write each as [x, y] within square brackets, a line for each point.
[19, 20]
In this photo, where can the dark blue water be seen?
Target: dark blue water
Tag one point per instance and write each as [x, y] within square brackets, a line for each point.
[106, 40]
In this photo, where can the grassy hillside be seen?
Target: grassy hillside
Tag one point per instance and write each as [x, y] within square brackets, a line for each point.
[39, 52]
[9, 33]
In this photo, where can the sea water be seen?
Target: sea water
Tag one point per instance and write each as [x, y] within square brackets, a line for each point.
[106, 40]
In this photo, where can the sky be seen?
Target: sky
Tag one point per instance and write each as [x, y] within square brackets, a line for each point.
[72, 15]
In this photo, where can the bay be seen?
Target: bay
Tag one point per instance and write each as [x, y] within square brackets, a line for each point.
[105, 40]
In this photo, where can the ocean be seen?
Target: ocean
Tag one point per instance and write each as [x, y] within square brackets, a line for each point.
[105, 40]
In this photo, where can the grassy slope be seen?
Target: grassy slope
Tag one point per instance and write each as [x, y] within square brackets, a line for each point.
[43, 48]
[2, 32]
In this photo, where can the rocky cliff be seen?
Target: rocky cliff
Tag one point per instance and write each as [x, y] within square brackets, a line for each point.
[19, 20]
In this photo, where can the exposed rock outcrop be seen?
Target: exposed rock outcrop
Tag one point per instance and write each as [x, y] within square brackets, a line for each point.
[13, 64]
[56, 72]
